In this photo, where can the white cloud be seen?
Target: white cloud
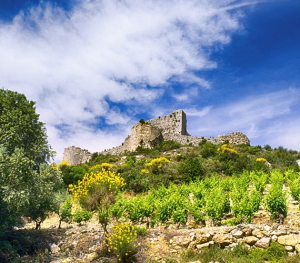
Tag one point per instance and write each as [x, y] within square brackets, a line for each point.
[75, 64]
[265, 119]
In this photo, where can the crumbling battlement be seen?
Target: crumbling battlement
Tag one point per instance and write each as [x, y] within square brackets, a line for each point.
[169, 127]
[151, 133]
[75, 155]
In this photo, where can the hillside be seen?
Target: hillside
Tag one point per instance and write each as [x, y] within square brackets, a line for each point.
[191, 199]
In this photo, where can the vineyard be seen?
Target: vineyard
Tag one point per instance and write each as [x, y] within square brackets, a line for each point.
[185, 187]
[212, 198]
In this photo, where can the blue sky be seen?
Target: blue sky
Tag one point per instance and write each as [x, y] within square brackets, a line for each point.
[96, 67]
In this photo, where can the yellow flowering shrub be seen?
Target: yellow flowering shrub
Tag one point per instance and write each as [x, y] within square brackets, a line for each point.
[263, 160]
[227, 148]
[157, 162]
[97, 191]
[99, 167]
[122, 241]
[145, 171]
[54, 166]
[105, 178]
[64, 163]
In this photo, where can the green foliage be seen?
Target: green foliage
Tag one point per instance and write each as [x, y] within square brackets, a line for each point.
[20, 128]
[139, 208]
[245, 205]
[274, 252]
[65, 209]
[259, 179]
[25, 191]
[141, 231]
[190, 170]
[42, 199]
[255, 150]
[122, 241]
[216, 203]
[27, 183]
[276, 199]
[82, 215]
[131, 160]
[169, 145]
[72, 174]
[293, 179]
[208, 149]
[99, 158]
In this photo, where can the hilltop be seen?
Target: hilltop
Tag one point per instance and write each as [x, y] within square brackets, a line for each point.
[151, 133]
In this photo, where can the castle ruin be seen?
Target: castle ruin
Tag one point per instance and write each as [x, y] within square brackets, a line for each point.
[151, 133]
[75, 155]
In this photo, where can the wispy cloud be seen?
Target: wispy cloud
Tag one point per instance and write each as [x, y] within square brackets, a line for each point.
[262, 118]
[76, 63]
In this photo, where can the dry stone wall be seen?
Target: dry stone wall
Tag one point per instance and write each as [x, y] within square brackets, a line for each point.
[251, 235]
[75, 155]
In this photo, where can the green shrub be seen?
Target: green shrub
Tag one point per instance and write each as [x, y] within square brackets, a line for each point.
[65, 211]
[141, 231]
[73, 174]
[190, 170]
[276, 199]
[216, 203]
[82, 216]
[113, 159]
[169, 145]
[208, 149]
[274, 252]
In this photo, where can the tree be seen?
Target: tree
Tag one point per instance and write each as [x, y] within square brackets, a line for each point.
[27, 182]
[20, 128]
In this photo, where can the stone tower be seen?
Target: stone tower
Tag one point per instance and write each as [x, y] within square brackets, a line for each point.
[75, 155]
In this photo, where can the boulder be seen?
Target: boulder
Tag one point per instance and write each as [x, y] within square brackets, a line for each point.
[251, 240]
[257, 233]
[263, 243]
[238, 234]
[289, 240]
[223, 239]
[289, 248]
[297, 247]
[203, 238]
[54, 249]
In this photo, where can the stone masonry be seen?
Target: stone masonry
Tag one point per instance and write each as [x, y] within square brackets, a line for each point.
[152, 132]
[75, 155]
[169, 127]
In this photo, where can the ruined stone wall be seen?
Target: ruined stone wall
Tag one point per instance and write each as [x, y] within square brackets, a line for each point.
[169, 127]
[175, 123]
[145, 135]
[75, 155]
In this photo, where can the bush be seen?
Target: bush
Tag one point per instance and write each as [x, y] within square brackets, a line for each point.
[73, 174]
[216, 203]
[169, 145]
[141, 231]
[65, 211]
[276, 199]
[122, 241]
[97, 192]
[82, 215]
[190, 170]
[208, 149]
